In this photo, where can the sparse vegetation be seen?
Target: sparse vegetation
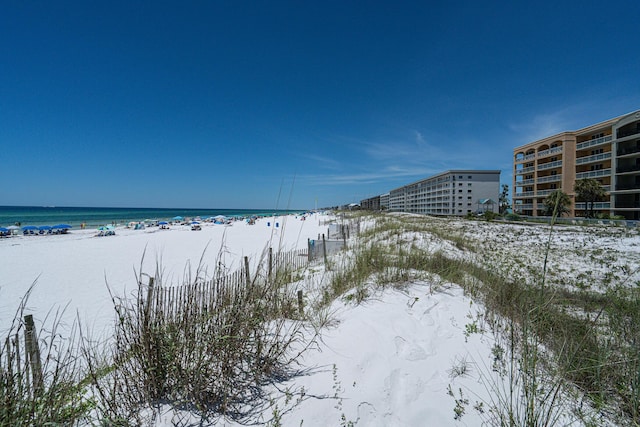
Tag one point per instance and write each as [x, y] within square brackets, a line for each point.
[565, 314]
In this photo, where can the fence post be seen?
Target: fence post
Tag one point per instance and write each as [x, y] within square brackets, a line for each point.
[324, 250]
[308, 250]
[270, 262]
[246, 269]
[147, 308]
[33, 353]
[300, 303]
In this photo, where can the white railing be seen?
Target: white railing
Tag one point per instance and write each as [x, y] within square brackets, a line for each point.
[593, 174]
[597, 205]
[550, 151]
[525, 182]
[524, 170]
[551, 178]
[523, 206]
[592, 142]
[530, 156]
[550, 165]
[525, 194]
[594, 158]
[544, 192]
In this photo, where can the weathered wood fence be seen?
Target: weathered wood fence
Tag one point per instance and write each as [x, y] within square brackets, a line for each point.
[20, 362]
[203, 296]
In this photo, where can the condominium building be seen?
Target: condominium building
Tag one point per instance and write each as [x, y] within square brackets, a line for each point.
[371, 204]
[384, 201]
[608, 152]
[454, 192]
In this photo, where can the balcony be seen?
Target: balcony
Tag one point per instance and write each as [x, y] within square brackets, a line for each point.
[628, 150]
[626, 187]
[593, 174]
[525, 194]
[594, 158]
[593, 142]
[551, 178]
[625, 169]
[597, 205]
[549, 152]
[530, 156]
[627, 205]
[550, 165]
[628, 132]
[525, 182]
[524, 170]
[523, 206]
[544, 193]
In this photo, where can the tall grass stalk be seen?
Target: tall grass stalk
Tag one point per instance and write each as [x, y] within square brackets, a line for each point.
[60, 399]
[211, 359]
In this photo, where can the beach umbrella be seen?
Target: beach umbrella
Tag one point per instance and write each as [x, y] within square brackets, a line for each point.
[13, 227]
[194, 222]
[4, 230]
[219, 217]
[29, 227]
[163, 223]
[178, 217]
[44, 228]
[61, 226]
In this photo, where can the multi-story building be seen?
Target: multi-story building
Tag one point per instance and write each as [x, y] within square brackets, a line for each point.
[384, 201]
[371, 204]
[608, 152]
[454, 192]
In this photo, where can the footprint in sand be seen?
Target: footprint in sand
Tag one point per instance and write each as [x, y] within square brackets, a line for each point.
[411, 352]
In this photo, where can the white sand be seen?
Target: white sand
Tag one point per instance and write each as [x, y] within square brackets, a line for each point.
[75, 268]
[386, 362]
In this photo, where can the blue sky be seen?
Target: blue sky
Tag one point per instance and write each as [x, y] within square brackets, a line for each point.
[265, 104]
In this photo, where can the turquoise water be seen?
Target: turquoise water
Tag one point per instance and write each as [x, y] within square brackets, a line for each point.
[74, 216]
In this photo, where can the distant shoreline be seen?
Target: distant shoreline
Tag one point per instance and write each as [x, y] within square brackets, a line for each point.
[96, 216]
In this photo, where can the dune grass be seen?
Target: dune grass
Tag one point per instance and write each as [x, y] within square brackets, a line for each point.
[214, 359]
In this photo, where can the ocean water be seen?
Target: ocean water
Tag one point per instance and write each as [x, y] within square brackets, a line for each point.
[74, 216]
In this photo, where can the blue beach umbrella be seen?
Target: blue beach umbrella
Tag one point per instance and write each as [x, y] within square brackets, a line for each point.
[178, 217]
[61, 226]
[4, 230]
[194, 222]
[29, 227]
[44, 228]
[163, 223]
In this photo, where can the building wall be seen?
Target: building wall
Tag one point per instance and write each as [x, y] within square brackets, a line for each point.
[371, 204]
[454, 192]
[558, 161]
[384, 201]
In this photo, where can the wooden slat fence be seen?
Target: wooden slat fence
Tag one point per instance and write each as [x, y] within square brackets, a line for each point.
[206, 296]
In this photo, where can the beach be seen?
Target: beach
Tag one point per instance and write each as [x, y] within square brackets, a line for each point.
[409, 354]
[75, 271]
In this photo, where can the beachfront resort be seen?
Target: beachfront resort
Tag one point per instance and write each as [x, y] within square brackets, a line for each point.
[608, 152]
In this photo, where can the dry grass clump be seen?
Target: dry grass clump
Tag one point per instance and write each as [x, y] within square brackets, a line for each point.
[209, 351]
[42, 386]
